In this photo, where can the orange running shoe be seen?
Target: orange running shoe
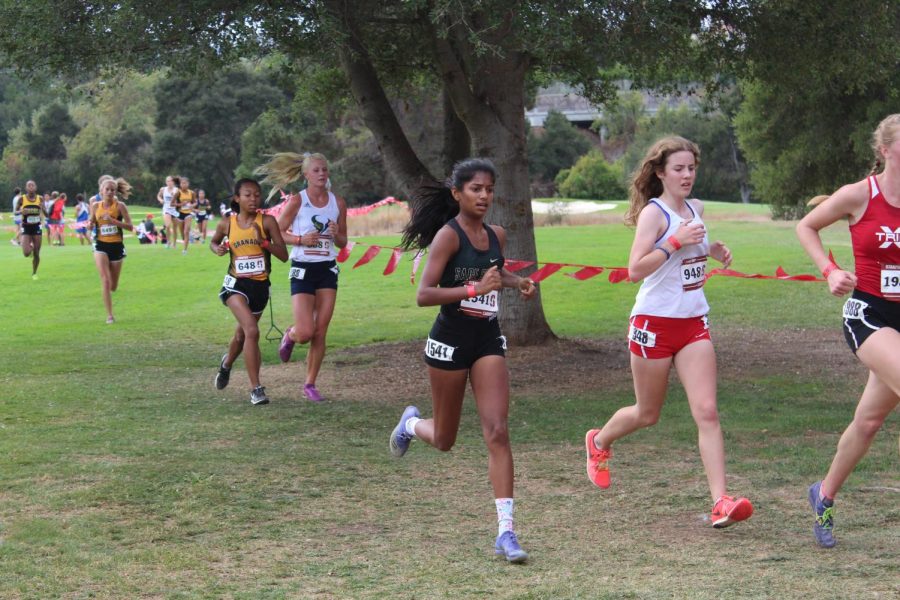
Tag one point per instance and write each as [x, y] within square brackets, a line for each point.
[597, 467]
[728, 511]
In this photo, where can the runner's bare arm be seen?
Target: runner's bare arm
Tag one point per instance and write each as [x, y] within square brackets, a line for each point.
[218, 236]
[276, 242]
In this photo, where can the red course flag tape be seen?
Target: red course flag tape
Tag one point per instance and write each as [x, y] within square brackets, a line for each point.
[371, 253]
[584, 272]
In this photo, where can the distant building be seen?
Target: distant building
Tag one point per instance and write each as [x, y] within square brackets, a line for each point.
[578, 110]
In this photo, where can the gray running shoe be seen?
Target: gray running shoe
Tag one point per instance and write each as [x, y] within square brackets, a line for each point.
[258, 396]
[223, 375]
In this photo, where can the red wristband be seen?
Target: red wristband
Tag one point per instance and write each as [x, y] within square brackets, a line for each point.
[264, 244]
[831, 268]
[226, 245]
[674, 241]
[470, 290]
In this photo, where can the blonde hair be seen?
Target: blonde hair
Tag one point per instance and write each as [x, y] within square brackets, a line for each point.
[284, 168]
[645, 184]
[123, 188]
[887, 132]
[817, 200]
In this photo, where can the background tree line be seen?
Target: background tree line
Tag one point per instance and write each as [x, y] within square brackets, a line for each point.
[814, 79]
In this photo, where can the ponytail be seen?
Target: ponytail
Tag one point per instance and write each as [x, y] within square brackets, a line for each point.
[123, 188]
[431, 207]
[876, 167]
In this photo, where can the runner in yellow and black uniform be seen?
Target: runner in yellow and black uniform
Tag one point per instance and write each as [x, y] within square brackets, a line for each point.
[109, 217]
[252, 238]
[184, 200]
[31, 208]
[202, 211]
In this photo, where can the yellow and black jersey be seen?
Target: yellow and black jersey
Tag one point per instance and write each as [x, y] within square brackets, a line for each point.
[106, 231]
[31, 210]
[248, 259]
[183, 198]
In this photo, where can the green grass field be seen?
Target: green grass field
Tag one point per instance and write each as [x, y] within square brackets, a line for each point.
[125, 474]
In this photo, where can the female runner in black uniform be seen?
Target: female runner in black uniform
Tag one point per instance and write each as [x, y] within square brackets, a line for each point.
[464, 275]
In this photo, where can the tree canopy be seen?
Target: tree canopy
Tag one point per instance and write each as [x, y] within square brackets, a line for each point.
[482, 57]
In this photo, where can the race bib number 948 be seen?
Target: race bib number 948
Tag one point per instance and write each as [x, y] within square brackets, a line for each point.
[693, 273]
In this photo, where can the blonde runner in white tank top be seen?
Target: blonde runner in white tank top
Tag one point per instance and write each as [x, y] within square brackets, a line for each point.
[313, 218]
[675, 290]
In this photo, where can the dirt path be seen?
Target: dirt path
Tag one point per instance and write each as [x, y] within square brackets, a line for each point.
[394, 371]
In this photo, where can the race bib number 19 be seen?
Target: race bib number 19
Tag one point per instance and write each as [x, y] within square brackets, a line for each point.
[229, 282]
[890, 281]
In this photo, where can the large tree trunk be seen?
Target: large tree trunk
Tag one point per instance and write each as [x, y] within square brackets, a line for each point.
[396, 151]
[490, 99]
[457, 142]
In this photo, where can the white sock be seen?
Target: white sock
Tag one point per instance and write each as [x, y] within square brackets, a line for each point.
[504, 514]
[411, 425]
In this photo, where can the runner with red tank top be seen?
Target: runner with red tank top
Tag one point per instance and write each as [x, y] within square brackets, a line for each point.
[872, 314]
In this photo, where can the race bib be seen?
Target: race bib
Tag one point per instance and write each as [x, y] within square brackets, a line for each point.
[201, 213]
[438, 351]
[247, 266]
[483, 306]
[322, 248]
[693, 273]
[296, 273]
[109, 230]
[33, 219]
[890, 281]
[855, 309]
[642, 337]
[229, 282]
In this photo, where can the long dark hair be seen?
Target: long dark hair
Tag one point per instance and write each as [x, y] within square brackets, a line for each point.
[432, 204]
[235, 207]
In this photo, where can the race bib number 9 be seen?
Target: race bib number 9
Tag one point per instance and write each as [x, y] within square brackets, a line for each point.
[484, 306]
[33, 219]
[890, 281]
[109, 230]
[437, 351]
[642, 337]
[247, 266]
[693, 273]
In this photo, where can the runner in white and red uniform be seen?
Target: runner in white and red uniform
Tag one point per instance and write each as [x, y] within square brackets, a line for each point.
[668, 322]
[872, 314]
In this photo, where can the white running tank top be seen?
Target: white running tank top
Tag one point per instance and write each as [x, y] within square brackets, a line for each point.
[312, 218]
[167, 198]
[675, 290]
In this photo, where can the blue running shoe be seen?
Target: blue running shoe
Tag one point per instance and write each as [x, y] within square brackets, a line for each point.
[400, 440]
[508, 546]
[824, 525]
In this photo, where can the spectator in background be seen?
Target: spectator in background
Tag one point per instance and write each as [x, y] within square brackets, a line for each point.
[57, 219]
[17, 216]
[82, 214]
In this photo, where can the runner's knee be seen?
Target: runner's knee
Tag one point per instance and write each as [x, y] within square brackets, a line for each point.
[496, 434]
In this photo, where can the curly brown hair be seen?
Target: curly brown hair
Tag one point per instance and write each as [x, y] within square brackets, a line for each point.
[645, 184]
